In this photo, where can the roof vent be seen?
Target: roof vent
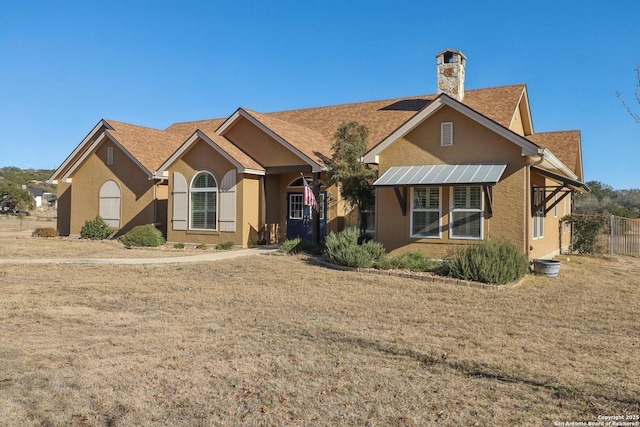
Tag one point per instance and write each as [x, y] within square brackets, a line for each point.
[451, 64]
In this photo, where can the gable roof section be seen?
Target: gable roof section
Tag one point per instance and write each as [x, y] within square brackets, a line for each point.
[223, 146]
[528, 147]
[565, 145]
[302, 139]
[151, 147]
[79, 150]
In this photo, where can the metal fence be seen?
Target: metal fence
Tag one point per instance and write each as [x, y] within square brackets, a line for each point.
[617, 236]
[624, 236]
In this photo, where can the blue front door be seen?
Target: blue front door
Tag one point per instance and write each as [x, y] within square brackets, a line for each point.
[300, 220]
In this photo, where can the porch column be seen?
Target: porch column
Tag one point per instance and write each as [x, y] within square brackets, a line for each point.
[316, 214]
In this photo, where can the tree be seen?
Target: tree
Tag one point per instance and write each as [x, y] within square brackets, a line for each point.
[635, 116]
[353, 176]
[15, 199]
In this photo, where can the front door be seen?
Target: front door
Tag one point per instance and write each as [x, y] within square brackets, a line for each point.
[300, 220]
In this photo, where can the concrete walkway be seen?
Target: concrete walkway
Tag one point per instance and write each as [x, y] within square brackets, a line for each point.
[211, 256]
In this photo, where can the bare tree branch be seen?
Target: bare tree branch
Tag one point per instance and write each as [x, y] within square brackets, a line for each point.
[635, 116]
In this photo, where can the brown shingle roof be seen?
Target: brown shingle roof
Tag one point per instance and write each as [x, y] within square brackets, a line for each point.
[310, 142]
[311, 130]
[565, 145]
[150, 146]
[385, 116]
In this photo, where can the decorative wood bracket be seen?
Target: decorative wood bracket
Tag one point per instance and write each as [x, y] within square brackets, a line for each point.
[488, 197]
[402, 199]
[547, 199]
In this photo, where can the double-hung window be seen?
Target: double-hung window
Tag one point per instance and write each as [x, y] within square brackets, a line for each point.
[425, 212]
[466, 213]
[538, 217]
[204, 202]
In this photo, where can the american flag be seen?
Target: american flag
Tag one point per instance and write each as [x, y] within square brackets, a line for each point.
[308, 198]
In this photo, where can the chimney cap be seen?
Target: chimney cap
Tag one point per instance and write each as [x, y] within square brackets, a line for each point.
[452, 51]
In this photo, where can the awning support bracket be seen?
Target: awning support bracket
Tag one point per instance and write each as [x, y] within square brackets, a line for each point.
[402, 199]
[488, 197]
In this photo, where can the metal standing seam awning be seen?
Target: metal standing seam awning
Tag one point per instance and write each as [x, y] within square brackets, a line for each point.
[402, 177]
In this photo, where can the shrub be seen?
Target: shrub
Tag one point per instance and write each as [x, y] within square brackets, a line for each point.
[343, 249]
[202, 246]
[45, 232]
[95, 229]
[224, 246]
[143, 235]
[178, 246]
[413, 261]
[492, 261]
[298, 246]
[586, 229]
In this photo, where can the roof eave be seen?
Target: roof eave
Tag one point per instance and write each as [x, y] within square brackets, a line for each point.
[70, 160]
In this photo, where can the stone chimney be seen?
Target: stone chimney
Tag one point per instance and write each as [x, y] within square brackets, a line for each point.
[451, 65]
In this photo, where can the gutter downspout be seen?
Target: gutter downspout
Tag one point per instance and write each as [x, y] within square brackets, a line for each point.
[528, 210]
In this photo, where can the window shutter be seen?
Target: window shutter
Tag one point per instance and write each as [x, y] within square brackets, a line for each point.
[228, 202]
[446, 134]
[180, 202]
[110, 204]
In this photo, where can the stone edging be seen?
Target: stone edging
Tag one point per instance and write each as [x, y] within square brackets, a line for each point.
[425, 277]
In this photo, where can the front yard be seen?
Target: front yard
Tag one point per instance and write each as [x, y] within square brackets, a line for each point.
[277, 341]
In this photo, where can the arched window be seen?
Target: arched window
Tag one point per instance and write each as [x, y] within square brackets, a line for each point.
[204, 202]
[299, 183]
[109, 208]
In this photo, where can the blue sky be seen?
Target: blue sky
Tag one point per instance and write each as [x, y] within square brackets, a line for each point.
[64, 65]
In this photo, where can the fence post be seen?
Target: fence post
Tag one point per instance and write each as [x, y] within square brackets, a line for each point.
[611, 234]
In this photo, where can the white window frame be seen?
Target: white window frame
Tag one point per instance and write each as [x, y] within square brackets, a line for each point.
[193, 191]
[298, 202]
[453, 209]
[538, 217]
[438, 210]
[446, 134]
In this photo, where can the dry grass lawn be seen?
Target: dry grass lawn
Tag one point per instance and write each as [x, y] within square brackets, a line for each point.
[270, 340]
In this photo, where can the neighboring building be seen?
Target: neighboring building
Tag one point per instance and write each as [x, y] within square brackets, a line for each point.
[455, 167]
[38, 196]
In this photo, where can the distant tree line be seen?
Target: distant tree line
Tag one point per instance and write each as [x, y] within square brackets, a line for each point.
[13, 197]
[603, 199]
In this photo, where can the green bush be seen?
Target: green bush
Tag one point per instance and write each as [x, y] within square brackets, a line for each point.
[413, 261]
[224, 246]
[45, 232]
[202, 246]
[492, 261]
[300, 246]
[95, 229]
[143, 235]
[586, 229]
[178, 246]
[343, 249]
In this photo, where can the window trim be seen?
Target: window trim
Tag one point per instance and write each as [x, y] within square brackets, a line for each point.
[102, 203]
[446, 130]
[537, 223]
[453, 209]
[438, 210]
[301, 210]
[109, 156]
[215, 190]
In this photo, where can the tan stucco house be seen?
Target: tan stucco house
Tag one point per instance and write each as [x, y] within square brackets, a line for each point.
[455, 167]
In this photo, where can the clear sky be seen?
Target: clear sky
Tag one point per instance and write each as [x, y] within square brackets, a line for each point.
[64, 65]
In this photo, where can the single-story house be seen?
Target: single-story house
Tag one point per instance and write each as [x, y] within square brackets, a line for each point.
[454, 167]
